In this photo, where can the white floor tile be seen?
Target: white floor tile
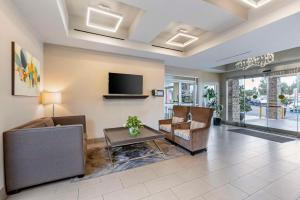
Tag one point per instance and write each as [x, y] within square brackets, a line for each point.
[137, 176]
[284, 190]
[131, 193]
[250, 183]
[164, 195]
[226, 192]
[163, 183]
[105, 185]
[262, 195]
[191, 189]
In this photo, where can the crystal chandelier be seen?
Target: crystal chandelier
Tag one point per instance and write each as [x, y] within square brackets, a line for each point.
[259, 61]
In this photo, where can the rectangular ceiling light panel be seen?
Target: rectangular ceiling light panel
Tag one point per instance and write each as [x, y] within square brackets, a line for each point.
[104, 13]
[256, 3]
[188, 39]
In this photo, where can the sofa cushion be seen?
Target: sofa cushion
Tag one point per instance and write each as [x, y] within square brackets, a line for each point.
[165, 127]
[177, 120]
[183, 133]
[195, 125]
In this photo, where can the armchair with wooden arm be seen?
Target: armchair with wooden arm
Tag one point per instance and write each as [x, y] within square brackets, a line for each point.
[193, 135]
[166, 126]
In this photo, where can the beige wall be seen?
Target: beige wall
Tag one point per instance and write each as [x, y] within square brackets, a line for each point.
[82, 77]
[15, 110]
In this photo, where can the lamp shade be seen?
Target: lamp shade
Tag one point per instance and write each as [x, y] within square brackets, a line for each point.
[51, 98]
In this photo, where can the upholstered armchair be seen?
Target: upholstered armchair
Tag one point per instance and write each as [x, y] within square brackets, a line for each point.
[180, 114]
[193, 135]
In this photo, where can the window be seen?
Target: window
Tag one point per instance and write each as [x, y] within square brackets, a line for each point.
[179, 90]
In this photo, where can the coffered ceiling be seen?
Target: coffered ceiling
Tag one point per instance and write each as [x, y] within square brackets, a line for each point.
[193, 34]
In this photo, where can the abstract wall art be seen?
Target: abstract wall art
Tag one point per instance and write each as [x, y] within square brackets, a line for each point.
[26, 74]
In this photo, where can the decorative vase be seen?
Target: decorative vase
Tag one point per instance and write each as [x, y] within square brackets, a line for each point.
[217, 121]
[134, 131]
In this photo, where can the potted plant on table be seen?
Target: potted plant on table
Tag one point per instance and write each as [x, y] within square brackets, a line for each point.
[219, 110]
[134, 125]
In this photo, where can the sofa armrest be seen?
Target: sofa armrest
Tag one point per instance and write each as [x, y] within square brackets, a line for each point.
[197, 130]
[165, 121]
[70, 120]
[57, 153]
[181, 125]
[199, 138]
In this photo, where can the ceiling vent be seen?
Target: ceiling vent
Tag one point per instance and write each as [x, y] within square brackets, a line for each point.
[233, 56]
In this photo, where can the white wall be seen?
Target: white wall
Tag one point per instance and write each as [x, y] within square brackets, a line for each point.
[15, 110]
[82, 77]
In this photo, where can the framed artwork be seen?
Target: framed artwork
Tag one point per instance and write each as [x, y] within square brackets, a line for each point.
[26, 74]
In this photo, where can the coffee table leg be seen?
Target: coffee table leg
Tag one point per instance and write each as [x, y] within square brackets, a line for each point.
[108, 151]
[161, 151]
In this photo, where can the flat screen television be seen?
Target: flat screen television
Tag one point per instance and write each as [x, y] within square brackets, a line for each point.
[125, 84]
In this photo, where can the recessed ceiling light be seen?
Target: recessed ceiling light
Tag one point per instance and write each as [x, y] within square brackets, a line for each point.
[113, 29]
[189, 40]
[256, 3]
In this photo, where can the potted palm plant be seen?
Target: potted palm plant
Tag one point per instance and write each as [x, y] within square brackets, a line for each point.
[210, 96]
[284, 101]
[219, 110]
[245, 105]
[134, 124]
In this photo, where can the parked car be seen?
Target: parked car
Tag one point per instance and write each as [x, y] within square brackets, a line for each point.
[254, 102]
[294, 106]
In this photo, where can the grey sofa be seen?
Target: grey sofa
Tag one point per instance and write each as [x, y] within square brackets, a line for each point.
[44, 150]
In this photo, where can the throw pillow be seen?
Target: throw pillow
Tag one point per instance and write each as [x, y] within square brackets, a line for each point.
[177, 120]
[195, 125]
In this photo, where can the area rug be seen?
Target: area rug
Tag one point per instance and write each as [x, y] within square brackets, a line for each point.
[98, 162]
[266, 136]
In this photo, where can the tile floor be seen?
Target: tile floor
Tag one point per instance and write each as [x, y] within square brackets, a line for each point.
[235, 167]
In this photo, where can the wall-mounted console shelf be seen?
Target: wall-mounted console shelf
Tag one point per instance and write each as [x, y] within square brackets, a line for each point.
[109, 96]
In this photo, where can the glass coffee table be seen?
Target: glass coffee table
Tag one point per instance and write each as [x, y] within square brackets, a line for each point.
[117, 137]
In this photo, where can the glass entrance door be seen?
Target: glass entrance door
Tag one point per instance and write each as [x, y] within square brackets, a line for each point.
[256, 103]
[272, 102]
[284, 108]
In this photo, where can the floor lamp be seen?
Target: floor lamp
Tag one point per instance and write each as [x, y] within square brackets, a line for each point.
[51, 98]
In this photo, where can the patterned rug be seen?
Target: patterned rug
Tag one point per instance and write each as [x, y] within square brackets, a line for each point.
[98, 162]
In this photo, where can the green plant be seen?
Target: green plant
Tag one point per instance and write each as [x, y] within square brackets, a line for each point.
[281, 97]
[283, 100]
[210, 95]
[254, 96]
[219, 110]
[134, 125]
[245, 105]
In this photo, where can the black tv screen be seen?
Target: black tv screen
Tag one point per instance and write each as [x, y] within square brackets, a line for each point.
[125, 84]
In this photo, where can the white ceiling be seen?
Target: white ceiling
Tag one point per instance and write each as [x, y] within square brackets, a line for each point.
[233, 31]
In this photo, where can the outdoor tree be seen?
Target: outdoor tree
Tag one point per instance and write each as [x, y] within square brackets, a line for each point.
[251, 92]
[284, 88]
[262, 88]
[292, 87]
[245, 105]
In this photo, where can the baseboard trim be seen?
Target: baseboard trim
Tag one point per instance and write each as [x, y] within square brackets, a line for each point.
[3, 195]
[95, 140]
